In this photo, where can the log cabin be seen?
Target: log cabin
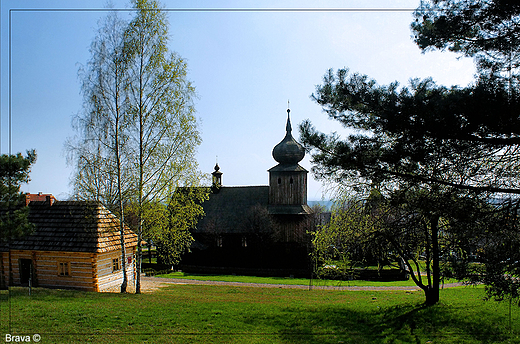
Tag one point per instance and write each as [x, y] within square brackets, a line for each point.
[75, 244]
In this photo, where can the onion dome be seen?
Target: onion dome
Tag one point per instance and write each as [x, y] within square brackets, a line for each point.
[288, 151]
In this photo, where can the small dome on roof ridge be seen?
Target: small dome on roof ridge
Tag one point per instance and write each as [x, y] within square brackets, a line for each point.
[288, 151]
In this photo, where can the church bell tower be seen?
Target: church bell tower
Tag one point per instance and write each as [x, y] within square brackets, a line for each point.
[216, 179]
[288, 180]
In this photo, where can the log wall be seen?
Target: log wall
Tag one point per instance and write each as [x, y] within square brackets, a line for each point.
[86, 271]
[46, 268]
[106, 277]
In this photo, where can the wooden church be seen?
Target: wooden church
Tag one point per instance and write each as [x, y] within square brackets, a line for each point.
[257, 229]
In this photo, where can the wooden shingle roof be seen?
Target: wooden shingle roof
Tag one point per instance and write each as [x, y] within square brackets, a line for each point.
[225, 210]
[73, 226]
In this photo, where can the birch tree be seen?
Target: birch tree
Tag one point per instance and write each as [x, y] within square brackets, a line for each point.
[138, 134]
[164, 128]
[103, 171]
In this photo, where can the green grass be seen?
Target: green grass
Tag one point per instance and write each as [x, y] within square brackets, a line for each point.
[219, 314]
[287, 280]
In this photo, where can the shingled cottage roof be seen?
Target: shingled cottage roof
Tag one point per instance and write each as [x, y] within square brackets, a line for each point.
[73, 226]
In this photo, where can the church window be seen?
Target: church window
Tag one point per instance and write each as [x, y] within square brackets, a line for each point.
[291, 181]
[244, 241]
[219, 241]
[279, 181]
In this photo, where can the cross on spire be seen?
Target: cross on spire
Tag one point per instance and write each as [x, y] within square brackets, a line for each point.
[288, 126]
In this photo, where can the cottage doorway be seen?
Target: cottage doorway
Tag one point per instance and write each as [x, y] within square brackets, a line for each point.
[26, 267]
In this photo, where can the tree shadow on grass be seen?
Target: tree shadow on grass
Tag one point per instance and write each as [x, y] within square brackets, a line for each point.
[399, 324]
[440, 323]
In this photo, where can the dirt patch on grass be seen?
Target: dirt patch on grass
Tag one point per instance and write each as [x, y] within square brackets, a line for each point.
[148, 285]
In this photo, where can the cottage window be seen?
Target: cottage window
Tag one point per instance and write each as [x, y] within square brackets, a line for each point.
[63, 268]
[115, 264]
[219, 241]
[244, 241]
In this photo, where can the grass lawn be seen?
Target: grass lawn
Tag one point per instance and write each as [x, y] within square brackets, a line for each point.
[287, 280]
[221, 314]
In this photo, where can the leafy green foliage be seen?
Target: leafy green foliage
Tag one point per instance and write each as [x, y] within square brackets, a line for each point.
[138, 125]
[406, 228]
[14, 170]
[184, 211]
[347, 240]
[498, 249]
[169, 225]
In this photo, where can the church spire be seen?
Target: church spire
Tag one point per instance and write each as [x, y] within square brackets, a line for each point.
[288, 151]
[288, 127]
[288, 180]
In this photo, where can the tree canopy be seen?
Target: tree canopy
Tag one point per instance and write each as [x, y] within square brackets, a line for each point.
[182, 213]
[459, 137]
[483, 29]
[14, 170]
[460, 140]
[467, 137]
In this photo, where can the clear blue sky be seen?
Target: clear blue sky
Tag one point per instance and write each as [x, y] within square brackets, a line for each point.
[245, 65]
